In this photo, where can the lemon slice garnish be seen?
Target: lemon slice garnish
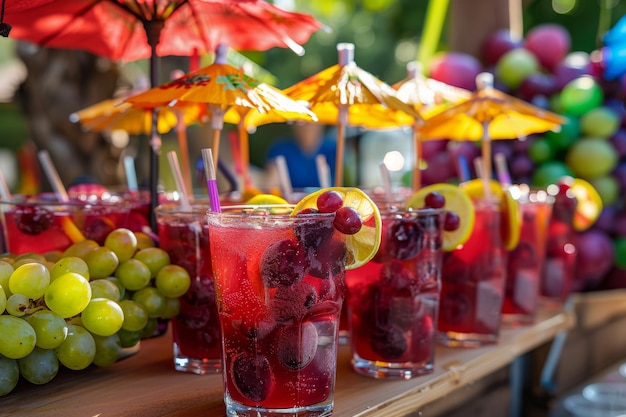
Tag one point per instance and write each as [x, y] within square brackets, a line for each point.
[456, 201]
[363, 245]
[510, 220]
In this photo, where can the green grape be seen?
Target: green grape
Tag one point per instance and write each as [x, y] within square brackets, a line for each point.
[68, 295]
[172, 308]
[103, 288]
[29, 257]
[39, 367]
[17, 304]
[143, 241]
[108, 349]
[150, 328]
[78, 350]
[135, 315]
[69, 264]
[18, 337]
[6, 269]
[133, 274]
[119, 286]
[102, 262]
[53, 256]
[173, 281]
[50, 328]
[123, 242]
[3, 300]
[102, 316]
[25, 261]
[152, 300]
[30, 279]
[129, 338]
[153, 258]
[81, 249]
[9, 375]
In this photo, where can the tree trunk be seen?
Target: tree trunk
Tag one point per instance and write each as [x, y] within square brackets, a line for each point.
[60, 82]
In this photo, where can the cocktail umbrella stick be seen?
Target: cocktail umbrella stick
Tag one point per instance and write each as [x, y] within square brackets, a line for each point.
[283, 177]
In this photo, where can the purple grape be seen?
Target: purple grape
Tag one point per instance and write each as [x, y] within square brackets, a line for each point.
[257, 330]
[434, 200]
[395, 276]
[314, 234]
[451, 222]
[296, 346]
[292, 303]
[328, 260]
[454, 270]
[404, 239]
[33, 220]
[347, 221]
[329, 202]
[389, 343]
[98, 228]
[252, 376]
[283, 263]
[454, 306]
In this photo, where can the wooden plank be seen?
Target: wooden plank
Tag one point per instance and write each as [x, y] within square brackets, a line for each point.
[146, 384]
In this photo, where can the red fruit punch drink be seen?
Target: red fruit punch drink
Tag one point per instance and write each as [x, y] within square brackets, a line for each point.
[44, 224]
[184, 235]
[393, 299]
[473, 277]
[280, 284]
[525, 262]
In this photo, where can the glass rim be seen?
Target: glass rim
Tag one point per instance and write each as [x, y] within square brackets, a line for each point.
[33, 200]
[260, 211]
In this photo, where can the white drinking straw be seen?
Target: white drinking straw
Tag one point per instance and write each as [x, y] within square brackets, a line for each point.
[323, 171]
[283, 177]
[178, 179]
[5, 193]
[386, 176]
[53, 176]
[131, 174]
[502, 170]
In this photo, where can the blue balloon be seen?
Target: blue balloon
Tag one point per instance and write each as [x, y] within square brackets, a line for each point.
[614, 58]
[617, 34]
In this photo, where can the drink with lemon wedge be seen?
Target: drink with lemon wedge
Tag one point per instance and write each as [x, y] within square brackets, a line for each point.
[474, 263]
[525, 262]
[393, 299]
[280, 283]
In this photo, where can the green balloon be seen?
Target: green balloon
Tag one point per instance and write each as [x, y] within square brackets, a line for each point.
[549, 173]
[581, 95]
[540, 150]
[566, 136]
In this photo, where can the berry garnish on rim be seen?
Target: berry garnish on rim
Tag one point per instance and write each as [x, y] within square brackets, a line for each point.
[459, 217]
[356, 216]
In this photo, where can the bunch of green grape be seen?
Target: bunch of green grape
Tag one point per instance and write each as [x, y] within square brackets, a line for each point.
[82, 306]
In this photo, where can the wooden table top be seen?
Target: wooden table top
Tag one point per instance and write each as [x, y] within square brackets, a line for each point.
[146, 383]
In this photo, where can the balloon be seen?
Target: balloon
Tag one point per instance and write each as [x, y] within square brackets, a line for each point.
[581, 95]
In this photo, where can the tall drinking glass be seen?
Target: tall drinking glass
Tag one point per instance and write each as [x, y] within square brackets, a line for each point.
[43, 223]
[473, 278]
[525, 262]
[393, 299]
[184, 235]
[280, 284]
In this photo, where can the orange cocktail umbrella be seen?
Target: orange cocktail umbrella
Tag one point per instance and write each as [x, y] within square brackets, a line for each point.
[489, 114]
[346, 95]
[427, 95]
[219, 86]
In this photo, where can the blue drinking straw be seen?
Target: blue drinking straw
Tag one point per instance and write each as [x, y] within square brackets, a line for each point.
[211, 180]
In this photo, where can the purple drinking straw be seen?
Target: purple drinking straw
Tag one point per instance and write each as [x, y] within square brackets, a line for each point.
[211, 180]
